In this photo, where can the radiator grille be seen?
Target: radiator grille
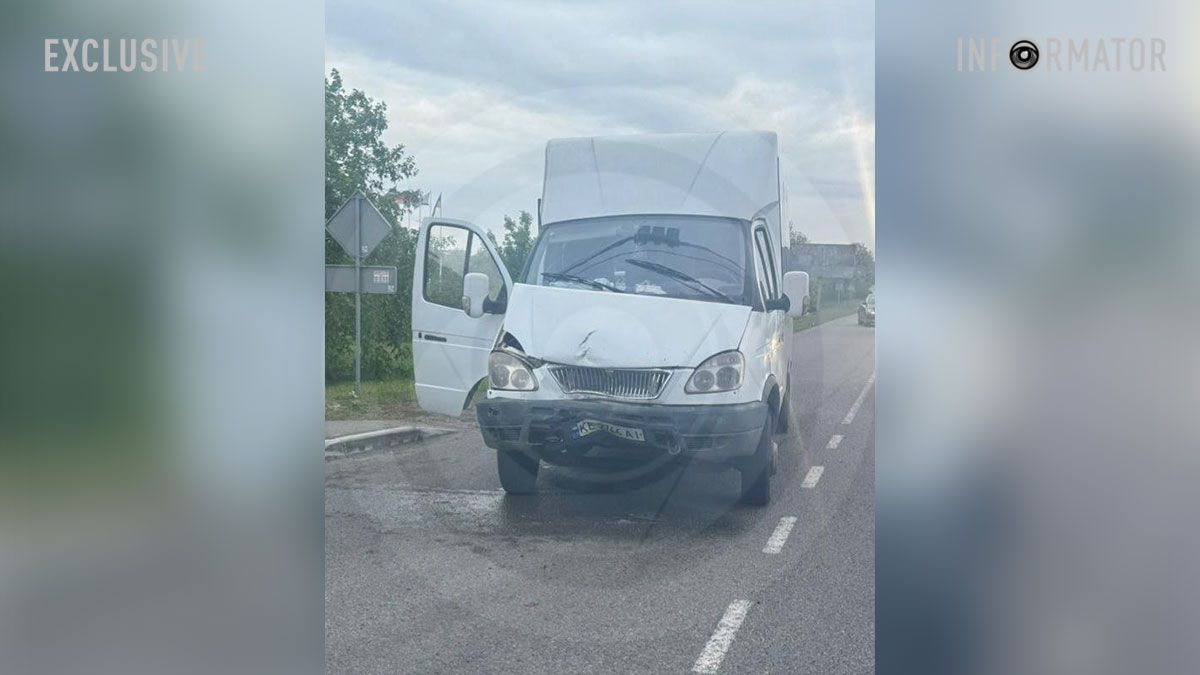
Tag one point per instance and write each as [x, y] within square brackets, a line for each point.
[627, 383]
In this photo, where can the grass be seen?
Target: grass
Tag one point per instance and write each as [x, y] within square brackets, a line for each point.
[381, 399]
[826, 313]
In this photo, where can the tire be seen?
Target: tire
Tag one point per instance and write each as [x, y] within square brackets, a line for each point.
[756, 473]
[518, 473]
[784, 421]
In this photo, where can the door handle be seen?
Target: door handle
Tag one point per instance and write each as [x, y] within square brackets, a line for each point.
[432, 338]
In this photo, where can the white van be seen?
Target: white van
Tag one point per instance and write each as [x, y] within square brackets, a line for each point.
[653, 312]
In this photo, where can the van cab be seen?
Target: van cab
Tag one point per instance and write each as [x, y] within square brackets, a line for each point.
[652, 314]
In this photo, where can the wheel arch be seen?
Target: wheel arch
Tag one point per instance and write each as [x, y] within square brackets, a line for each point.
[772, 395]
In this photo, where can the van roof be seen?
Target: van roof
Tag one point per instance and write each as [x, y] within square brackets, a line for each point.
[731, 173]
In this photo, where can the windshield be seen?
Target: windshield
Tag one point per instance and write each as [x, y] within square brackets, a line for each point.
[689, 257]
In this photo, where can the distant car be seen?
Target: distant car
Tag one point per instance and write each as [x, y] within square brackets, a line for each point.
[866, 311]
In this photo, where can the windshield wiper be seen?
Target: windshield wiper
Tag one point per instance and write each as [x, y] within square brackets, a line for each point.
[673, 273]
[562, 276]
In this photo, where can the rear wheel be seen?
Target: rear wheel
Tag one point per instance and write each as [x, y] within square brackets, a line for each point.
[518, 473]
[756, 472]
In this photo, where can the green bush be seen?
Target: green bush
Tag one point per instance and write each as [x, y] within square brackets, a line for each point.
[384, 360]
[339, 359]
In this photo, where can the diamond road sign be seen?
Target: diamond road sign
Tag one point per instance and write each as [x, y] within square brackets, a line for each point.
[375, 279]
[343, 225]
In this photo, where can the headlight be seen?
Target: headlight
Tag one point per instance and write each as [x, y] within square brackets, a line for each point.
[509, 373]
[722, 372]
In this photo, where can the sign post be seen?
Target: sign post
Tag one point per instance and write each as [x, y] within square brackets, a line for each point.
[358, 297]
[359, 230]
[375, 279]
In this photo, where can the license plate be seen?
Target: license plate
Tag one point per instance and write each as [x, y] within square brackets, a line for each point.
[585, 427]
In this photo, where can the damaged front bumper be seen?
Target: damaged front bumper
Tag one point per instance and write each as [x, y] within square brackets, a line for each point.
[550, 430]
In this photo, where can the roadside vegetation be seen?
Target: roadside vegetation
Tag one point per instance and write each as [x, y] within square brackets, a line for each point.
[357, 158]
[384, 399]
[826, 313]
[380, 399]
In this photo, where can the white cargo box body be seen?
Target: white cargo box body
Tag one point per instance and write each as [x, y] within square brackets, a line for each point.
[732, 174]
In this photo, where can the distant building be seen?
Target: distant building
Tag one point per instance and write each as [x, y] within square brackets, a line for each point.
[833, 268]
[826, 261]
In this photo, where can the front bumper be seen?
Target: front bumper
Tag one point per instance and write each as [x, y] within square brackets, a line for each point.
[542, 429]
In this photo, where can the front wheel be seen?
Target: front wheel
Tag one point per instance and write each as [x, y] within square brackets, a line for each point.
[756, 473]
[784, 421]
[518, 473]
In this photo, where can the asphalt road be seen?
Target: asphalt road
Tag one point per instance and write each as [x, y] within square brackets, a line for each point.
[431, 568]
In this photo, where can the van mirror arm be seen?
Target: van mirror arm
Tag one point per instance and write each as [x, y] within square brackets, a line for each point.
[499, 305]
[781, 303]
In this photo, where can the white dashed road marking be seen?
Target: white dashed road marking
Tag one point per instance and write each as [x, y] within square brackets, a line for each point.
[710, 659]
[780, 535]
[714, 652]
[859, 401]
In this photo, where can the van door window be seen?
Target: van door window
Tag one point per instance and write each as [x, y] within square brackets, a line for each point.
[761, 275]
[446, 264]
[454, 252]
[481, 260]
[766, 264]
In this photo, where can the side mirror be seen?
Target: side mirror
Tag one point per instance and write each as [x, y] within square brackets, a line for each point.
[475, 291]
[795, 287]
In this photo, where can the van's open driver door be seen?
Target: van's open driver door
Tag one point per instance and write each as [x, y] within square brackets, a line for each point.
[450, 348]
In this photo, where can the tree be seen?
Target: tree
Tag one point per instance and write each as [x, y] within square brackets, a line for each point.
[518, 242]
[864, 269]
[357, 158]
[791, 253]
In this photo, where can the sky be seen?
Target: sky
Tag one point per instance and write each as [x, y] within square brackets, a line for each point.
[474, 90]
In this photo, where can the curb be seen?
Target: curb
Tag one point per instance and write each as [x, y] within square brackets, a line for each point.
[354, 444]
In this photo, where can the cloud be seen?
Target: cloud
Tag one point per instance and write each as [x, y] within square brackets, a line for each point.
[474, 90]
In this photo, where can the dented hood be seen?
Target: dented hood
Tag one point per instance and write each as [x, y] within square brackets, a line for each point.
[619, 330]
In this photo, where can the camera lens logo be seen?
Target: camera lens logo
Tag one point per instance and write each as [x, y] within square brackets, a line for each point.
[1024, 54]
